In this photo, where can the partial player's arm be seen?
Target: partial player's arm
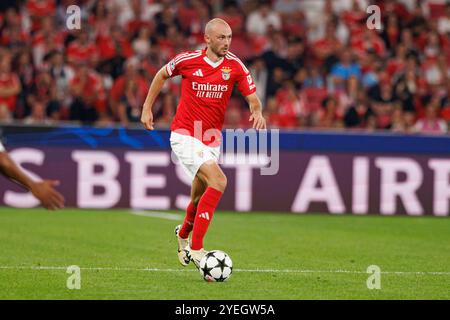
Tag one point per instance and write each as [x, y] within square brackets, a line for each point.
[155, 88]
[259, 122]
[44, 191]
[248, 89]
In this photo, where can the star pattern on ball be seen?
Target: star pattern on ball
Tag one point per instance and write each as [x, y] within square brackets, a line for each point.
[206, 270]
[221, 278]
[216, 266]
[221, 264]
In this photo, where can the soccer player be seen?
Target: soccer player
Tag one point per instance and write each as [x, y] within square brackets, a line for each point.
[44, 191]
[208, 78]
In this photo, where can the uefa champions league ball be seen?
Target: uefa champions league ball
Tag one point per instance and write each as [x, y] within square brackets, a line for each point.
[216, 266]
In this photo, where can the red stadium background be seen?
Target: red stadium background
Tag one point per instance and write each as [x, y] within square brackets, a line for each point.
[315, 62]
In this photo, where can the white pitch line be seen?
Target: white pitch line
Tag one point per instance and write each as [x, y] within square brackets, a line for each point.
[344, 271]
[436, 273]
[94, 268]
[157, 214]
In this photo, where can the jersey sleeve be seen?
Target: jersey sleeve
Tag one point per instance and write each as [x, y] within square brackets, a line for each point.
[172, 68]
[175, 66]
[245, 82]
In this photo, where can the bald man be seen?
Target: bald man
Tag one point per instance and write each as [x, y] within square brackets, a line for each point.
[208, 78]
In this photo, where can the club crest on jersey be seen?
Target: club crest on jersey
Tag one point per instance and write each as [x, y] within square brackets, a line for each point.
[226, 73]
[172, 65]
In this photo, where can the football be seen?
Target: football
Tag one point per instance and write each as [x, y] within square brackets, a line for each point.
[216, 266]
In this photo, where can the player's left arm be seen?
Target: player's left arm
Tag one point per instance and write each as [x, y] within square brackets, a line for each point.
[259, 122]
[44, 191]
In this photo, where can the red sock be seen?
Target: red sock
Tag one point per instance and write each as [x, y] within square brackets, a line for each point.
[205, 211]
[188, 223]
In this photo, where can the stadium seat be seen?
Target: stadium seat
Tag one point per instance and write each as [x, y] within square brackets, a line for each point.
[312, 98]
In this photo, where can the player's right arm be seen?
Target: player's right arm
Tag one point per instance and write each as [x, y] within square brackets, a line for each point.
[155, 88]
[44, 191]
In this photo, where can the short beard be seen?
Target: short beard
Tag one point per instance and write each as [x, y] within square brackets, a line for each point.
[217, 53]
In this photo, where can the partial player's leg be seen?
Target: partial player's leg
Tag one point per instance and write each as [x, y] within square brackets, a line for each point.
[197, 190]
[182, 231]
[215, 180]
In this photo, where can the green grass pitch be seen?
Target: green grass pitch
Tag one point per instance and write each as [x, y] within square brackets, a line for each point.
[126, 256]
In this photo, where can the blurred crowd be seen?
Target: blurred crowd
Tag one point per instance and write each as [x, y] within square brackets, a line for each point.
[316, 63]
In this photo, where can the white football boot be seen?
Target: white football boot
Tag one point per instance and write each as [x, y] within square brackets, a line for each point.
[183, 248]
[196, 256]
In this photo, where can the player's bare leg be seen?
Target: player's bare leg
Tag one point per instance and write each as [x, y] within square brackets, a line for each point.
[182, 231]
[212, 176]
[215, 180]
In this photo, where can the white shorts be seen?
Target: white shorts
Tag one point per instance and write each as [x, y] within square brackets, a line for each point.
[2, 148]
[192, 153]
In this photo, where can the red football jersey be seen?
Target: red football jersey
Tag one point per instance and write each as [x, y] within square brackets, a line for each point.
[206, 88]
